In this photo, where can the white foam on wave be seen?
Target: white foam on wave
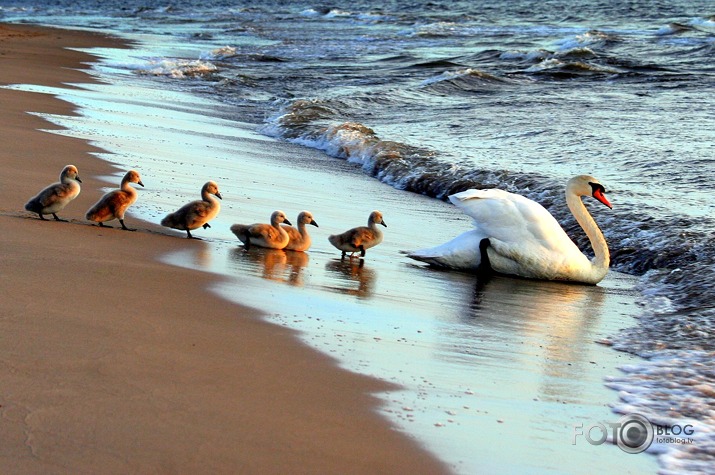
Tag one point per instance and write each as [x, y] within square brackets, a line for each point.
[682, 411]
[351, 141]
[219, 54]
[176, 68]
[669, 30]
[326, 13]
[535, 55]
[388, 161]
[589, 38]
[460, 73]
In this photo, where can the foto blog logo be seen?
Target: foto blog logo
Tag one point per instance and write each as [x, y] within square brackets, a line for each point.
[633, 433]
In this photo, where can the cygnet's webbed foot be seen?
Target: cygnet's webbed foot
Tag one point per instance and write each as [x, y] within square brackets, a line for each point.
[57, 218]
[191, 236]
[124, 227]
[206, 225]
[102, 225]
[42, 217]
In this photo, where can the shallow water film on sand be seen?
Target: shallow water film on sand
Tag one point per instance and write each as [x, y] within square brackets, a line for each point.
[434, 98]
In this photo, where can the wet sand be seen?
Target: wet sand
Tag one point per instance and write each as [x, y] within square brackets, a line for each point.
[114, 362]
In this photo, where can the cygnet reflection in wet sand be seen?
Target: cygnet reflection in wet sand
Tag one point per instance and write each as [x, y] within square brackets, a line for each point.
[272, 264]
[351, 277]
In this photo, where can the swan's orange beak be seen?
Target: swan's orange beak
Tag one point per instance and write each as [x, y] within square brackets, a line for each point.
[598, 194]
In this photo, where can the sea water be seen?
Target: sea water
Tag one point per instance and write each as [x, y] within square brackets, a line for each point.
[430, 98]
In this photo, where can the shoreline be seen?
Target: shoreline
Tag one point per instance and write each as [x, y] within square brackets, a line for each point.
[113, 360]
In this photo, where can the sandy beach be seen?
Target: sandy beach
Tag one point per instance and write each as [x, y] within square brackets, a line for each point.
[114, 362]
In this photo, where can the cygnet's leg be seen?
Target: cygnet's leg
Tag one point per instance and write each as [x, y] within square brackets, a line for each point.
[124, 227]
[206, 225]
[362, 250]
[101, 225]
[188, 235]
[247, 243]
[42, 217]
[57, 218]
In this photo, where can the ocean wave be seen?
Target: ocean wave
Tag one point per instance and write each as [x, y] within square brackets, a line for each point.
[175, 68]
[463, 80]
[556, 68]
[673, 29]
[580, 62]
[529, 56]
[219, 54]
[591, 39]
[337, 13]
[442, 29]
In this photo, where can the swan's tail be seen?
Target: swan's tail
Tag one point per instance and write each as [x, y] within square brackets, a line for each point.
[461, 253]
[436, 261]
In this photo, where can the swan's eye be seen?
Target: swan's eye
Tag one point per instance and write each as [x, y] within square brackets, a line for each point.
[597, 187]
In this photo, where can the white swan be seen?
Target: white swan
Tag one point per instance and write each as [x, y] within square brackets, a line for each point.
[114, 204]
[56, 196]
[271, 236]
[519, 237]
[361, 238]
[196, 214]
[299, 238]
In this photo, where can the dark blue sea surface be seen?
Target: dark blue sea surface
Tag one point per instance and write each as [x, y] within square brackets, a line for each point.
[434, 97]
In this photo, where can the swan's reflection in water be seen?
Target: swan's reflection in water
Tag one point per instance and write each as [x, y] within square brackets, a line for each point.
[272, 264]
[351, 277]
[543, 331]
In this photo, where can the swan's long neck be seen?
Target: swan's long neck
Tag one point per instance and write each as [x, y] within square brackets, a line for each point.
[602, 257]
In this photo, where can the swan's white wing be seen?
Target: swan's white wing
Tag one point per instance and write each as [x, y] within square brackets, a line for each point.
[514, 219]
